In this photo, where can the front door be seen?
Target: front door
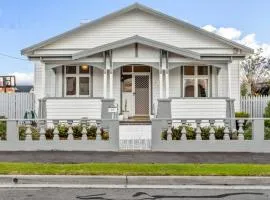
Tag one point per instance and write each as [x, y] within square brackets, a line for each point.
[142, 95]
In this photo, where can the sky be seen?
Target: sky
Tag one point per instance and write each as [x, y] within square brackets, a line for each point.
[26, 22]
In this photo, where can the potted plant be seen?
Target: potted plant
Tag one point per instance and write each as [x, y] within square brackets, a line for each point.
[125, 112]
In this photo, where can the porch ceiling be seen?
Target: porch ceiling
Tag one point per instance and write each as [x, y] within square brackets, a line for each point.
[132, 40]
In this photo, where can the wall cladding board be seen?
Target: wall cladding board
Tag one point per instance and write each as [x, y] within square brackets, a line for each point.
[73, 108]
[198, 108]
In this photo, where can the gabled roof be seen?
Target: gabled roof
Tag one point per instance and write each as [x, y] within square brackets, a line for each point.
[132, 40]
[147, 10]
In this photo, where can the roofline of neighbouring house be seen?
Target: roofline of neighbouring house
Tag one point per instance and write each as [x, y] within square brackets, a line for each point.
[145, 9]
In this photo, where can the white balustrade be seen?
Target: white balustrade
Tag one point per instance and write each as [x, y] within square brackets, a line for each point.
[56, 131]
[42, 130]
[84, 130]
[28, 131]
[169, 131]
[212, 130]
[98, 136]
[198, 130]
[70, 130]
[226, 130]
[183, 131]
[240, 130]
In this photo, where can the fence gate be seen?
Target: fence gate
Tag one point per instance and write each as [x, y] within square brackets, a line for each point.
[135, 137]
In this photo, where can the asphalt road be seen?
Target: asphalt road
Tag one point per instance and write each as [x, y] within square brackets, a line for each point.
[126, 194]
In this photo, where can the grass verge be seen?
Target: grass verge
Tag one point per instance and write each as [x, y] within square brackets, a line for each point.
[136, 169]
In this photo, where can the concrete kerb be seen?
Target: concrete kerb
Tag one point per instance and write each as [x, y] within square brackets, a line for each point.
[131, 180]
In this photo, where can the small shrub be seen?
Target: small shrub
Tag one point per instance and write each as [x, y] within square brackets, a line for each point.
[104, 135]
[49, 133]
[3, 129]
[267, 133]
[92, 132]
[63, 129]
[248, 130]
[241, 115]
[267, 115]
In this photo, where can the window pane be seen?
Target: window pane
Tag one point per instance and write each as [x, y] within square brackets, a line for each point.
[70, 69]
[71, 86]
[189, 70]
[84, 85]
[189, 87]
[202, 88]
[84, 69]
[202, 70]
[127, 83]
[141, 69]
[127, 69]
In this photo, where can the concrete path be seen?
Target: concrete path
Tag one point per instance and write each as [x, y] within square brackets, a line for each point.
[133, 157]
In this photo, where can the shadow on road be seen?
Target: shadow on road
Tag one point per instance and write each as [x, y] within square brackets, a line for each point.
[145, 196]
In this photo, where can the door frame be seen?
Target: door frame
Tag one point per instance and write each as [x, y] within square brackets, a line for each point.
[134, 74]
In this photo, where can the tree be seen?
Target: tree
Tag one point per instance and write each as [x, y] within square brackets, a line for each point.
[255, 69]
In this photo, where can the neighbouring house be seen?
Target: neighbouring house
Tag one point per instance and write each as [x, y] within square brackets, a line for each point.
[24, 89]
[142, 61]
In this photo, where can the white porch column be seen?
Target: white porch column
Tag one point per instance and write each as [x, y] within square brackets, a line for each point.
[39, 79]
[108, 68]
[167, 83]
[111, 83]
[164, 68]
[105, 84]
[39, 83]
[229, 81]
[161, 83]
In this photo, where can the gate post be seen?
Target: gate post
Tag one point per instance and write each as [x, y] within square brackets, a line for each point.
[112, 125]
[164, 108]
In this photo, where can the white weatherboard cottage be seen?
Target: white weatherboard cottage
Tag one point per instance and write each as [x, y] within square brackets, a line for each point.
[145, 62]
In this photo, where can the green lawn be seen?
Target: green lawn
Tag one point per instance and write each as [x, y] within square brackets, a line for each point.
[136, 169]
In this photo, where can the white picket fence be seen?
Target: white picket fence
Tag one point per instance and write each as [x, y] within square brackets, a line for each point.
[254, 105]
[135, 144]
[14, 105]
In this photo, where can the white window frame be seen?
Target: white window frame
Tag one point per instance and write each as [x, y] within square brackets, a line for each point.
[77, 76]
[196, 77]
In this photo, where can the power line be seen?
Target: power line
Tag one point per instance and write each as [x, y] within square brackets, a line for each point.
[13, 57]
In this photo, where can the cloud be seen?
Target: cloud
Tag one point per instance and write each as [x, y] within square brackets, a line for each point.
[236, 35]
[23, 78]
[229, 32]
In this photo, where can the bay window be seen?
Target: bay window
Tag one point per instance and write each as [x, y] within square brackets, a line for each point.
[196, 81]
[77, 80]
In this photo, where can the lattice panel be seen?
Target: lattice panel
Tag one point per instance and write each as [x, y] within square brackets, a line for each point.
[142, 95]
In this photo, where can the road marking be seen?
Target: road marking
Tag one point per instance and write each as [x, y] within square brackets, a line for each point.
[203, 187]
